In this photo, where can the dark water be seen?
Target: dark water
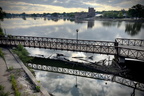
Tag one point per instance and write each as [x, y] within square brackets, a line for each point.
[64, 85]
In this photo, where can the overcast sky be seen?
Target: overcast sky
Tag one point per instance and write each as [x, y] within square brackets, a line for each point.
[50, 6]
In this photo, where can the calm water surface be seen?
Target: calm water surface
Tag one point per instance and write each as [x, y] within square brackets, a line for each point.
[64, 85]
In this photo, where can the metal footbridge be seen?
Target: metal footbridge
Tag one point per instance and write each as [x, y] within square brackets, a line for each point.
[126, 48]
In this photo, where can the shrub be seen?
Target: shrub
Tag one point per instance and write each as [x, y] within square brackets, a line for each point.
[22, 53]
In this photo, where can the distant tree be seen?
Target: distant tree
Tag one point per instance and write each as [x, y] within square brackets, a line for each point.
[55, 14]
[120, 14]
[33, 15]
[110, 14]
[137, 11]
[1, 31]
[2, 14]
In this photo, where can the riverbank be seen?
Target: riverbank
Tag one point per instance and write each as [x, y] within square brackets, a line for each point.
[26, 83]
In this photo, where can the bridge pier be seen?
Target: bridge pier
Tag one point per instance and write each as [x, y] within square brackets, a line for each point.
[118, 58]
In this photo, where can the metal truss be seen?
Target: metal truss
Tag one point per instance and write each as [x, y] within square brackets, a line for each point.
[89, 46]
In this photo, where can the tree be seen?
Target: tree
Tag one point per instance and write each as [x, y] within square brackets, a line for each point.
[55, 14]
[110, 14]
[120, 15]
[2, 14]
[137, 11]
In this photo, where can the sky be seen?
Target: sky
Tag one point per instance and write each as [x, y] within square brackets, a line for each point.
[51, 6]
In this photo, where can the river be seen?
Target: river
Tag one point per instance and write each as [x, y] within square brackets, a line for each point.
[102, 30]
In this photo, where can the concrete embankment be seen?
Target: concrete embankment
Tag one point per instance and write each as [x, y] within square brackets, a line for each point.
[12, 60]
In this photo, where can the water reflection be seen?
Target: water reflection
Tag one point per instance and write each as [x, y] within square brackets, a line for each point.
[68, 54]
[133, 28]
[108, 23]
[64, 85]
[24, 18]
[90, 23]
[92, 30]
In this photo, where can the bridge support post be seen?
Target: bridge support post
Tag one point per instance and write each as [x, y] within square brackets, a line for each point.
[116, 56]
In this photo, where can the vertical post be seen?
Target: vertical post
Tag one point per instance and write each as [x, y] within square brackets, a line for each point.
[77, 49]
[6, 42]
[116, 48]
[77, 37]
[76, 82]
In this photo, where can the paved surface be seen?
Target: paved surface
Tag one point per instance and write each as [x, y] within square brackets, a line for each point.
[12, 60]
[43, 90]
[4, 74]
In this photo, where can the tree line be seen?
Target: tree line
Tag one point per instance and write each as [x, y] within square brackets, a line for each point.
[136, 11]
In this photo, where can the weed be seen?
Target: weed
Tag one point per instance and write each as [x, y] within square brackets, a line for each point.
[2, 93]
[14, 85]
[2, 54]
[10, 68]
[38, 88]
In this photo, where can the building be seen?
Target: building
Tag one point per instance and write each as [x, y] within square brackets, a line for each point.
[89, 14]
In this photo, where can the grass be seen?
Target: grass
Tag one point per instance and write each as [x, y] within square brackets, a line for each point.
[38, 88]
[22, 53]
[2, 93]
[10, 68]
[15, 85]
[2, 54]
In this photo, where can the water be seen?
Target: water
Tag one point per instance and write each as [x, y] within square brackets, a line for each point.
[97, 30]
[64, 85]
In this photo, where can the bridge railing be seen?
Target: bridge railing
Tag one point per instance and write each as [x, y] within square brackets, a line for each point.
[61, 46]
[130, 42]
[131, 53]
[72, 45]
[61, 40]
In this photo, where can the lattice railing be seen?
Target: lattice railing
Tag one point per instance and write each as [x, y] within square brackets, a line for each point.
[130, 42]
[100, 47]
[60, 40]
[131, 53]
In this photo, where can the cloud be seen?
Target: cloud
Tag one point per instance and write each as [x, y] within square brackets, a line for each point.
[64, 85]
[19, 7]
[41, 6]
